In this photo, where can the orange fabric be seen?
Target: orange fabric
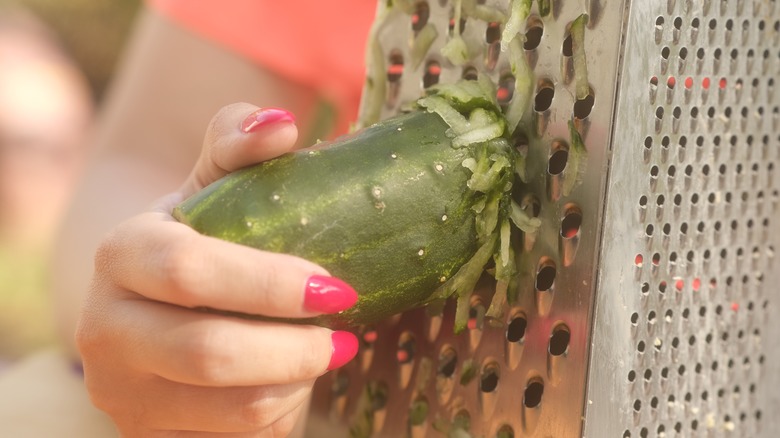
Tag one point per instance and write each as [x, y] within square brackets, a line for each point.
[317, 43]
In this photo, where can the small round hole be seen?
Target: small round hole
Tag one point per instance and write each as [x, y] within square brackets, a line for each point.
[489, 379]
[432, 73]
[559, 341]
[420, 17]
[533, 394]
[406, 348]
[396, 67]
[571, 223]
[557, 162]
[583, 107]
[506, 89]
[545, 277]
[515, 331]
[533, 36]
[544, 98]
[448, 360]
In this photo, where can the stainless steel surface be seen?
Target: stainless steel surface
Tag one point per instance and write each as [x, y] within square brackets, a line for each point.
[671, 234]
[686, 328]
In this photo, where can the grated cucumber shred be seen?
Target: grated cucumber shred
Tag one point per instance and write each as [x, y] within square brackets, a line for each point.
[524, 85]
[483, 12]
[577, 162]
[545, 7]
[519, 11]
[456, 51]
[478, 135]
[463, 282]
[454, 119]
[580, 61]
[422, 43]
[521, 219]
[484, 178]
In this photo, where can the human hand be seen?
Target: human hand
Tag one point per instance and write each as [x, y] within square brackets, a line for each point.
[161, 367]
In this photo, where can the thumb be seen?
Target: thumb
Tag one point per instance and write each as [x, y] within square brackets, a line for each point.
[240, 135]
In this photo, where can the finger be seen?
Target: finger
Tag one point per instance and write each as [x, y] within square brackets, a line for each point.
[170, 406]
[213, 350]
[238, 136]
[167, 261]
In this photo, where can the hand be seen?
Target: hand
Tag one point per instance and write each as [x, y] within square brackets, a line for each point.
[160, 367]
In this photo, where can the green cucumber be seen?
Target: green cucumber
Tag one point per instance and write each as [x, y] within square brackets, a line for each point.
[408, 211]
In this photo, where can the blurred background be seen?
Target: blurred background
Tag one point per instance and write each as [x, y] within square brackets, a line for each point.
[57, 58]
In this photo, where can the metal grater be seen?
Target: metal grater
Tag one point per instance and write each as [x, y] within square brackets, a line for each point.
[647, 305]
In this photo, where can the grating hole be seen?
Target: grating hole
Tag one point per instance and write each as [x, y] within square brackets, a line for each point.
[557, 161]
[533, 394]
[515, 332]
[476, 319]
[448, 360]
[505, 431]
[493, 33]
[340, 384]
[406, 348]
[506, 89]
[422, 13]
[567, 47]
[544, 98]
[489, 380]
[559, 341]
[470, 73]
[533, 36]
[418, 411]
[583, 107]
[545, 277]
[379, 396]
[395, 67]
[571, 223]
[432, 73]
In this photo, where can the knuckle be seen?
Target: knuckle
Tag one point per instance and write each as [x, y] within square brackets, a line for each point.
[284, 426]
[181, 271]
[207, 357]
[258, 411]
[312, 353]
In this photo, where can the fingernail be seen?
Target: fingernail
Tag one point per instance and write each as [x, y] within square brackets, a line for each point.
[345, 347]
[328, 295]
[265, 117]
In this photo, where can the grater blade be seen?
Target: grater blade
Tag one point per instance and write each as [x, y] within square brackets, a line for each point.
[644, 303]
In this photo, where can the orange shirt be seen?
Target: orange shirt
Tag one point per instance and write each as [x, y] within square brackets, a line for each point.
[317, 43]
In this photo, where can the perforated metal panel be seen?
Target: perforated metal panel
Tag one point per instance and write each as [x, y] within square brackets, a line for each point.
[645, 299]
[685, 340]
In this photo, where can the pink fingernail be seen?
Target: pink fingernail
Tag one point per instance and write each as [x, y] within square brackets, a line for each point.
[328, 295]
[265, 117]
[345, 347]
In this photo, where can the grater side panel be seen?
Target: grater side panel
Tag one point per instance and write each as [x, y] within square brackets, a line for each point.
[528, 372]
[684, 337]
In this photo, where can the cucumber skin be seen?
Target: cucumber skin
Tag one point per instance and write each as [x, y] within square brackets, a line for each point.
[363, 207]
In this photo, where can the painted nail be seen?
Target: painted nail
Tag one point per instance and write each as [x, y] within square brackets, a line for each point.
[265, 117]
[328, 295]
[345, 347]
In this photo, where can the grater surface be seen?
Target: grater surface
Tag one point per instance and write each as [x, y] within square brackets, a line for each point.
[566, 360]
[684, 340]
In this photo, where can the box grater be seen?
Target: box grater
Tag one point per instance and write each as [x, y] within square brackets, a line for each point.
[648, 302]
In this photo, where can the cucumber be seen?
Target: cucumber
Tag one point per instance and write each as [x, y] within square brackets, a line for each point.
[409, 211]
